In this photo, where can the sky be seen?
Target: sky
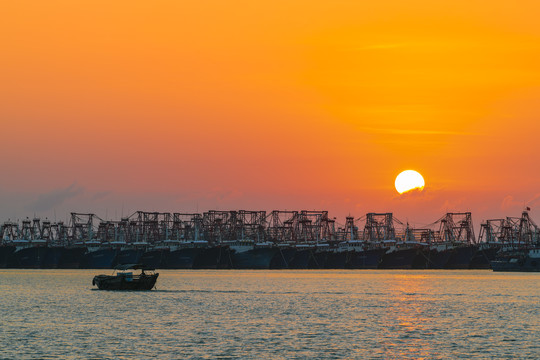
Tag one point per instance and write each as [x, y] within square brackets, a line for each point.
[186, 106]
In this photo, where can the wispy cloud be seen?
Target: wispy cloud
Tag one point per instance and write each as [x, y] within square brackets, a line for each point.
[510, 203]
[384, 46]
[55, 198]
[100, 195]
[534, 200]
[456, 204]
[410, 131]
[416, 194]
[222, 195]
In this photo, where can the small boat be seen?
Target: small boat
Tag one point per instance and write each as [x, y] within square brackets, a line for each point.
[123, 278]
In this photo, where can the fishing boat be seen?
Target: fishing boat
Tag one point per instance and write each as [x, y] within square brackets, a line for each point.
[249, 254]
[124, 278]
[518, 260]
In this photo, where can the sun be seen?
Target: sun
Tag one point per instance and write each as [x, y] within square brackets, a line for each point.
[408, 180]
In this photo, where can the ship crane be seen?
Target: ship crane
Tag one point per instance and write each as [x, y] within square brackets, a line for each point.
[379, 226]
[82, 226]
[282, 226]
[457, 228]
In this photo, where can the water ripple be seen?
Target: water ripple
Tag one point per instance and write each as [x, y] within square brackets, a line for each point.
[277, 315]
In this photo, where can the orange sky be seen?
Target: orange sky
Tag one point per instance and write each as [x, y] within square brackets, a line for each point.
[112, 107]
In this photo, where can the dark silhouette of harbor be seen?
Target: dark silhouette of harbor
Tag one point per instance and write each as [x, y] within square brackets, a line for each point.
[260, 240]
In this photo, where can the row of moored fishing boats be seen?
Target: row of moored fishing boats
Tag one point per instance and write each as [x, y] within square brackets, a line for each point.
[278, 240]
[250, 255]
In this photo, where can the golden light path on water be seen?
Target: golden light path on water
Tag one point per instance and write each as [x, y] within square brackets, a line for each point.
[230, 314]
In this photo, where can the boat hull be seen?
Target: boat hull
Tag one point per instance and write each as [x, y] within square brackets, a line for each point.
[318, 259]
[71, 257]
[182, 258]
[128, 256]
[52, 258]
[301, 259]
[283, 258]
[6, 255]
[105, 282]
[258, 258]
[517, 261]
[214, 257]
[437, 259]
[99, 259]
[461, 257]
[366, 259]
[399, 259]
[483, 257]
[336, 260]
[30, 257]
[156, 259]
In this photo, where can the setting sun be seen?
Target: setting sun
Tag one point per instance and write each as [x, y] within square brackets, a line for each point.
[409, 180]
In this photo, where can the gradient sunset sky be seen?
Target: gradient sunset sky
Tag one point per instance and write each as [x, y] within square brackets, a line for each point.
[116, 106]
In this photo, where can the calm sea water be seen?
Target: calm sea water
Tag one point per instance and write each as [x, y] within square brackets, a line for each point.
[51, 314]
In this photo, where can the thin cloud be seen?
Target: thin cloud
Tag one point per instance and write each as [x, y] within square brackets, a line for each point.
[55, 198]
[411, 131]
[452, 205]
[387, 46]
[220, 195]
[420, 194]
[534, 200]
[510, 203]
[100, 195]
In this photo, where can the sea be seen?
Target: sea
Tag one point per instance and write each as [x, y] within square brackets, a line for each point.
[274, 314]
